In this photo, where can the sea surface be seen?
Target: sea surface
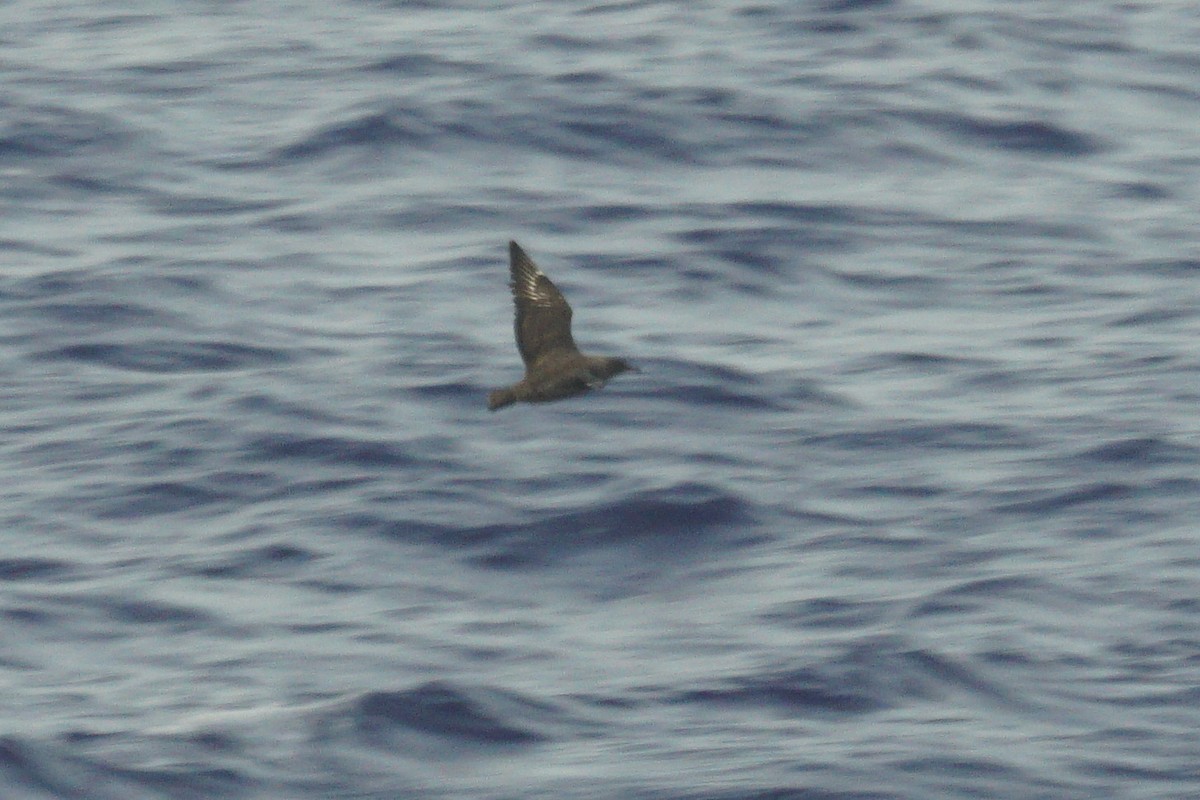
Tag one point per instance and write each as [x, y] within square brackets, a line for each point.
[904, 503]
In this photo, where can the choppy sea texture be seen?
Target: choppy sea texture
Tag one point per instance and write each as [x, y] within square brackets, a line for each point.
[903, 504]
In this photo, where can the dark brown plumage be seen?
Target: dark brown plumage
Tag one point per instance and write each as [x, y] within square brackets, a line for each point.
[554, 367]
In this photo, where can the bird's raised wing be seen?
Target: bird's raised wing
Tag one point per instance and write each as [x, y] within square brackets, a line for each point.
[543, 321]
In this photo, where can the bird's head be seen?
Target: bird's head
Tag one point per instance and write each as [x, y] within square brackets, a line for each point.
[615, 366]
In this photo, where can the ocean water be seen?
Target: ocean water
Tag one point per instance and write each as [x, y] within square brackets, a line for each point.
[903, 504]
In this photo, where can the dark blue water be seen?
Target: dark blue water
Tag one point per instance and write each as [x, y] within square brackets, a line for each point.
[903, 505]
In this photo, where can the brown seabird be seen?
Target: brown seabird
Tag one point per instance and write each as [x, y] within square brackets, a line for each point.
[554, 367]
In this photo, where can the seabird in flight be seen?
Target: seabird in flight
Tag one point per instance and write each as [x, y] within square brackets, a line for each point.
[554, 367]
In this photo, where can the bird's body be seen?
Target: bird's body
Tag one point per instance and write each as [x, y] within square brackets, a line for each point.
[554, 367]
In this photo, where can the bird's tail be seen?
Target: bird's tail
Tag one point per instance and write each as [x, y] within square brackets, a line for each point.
[501, 398]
